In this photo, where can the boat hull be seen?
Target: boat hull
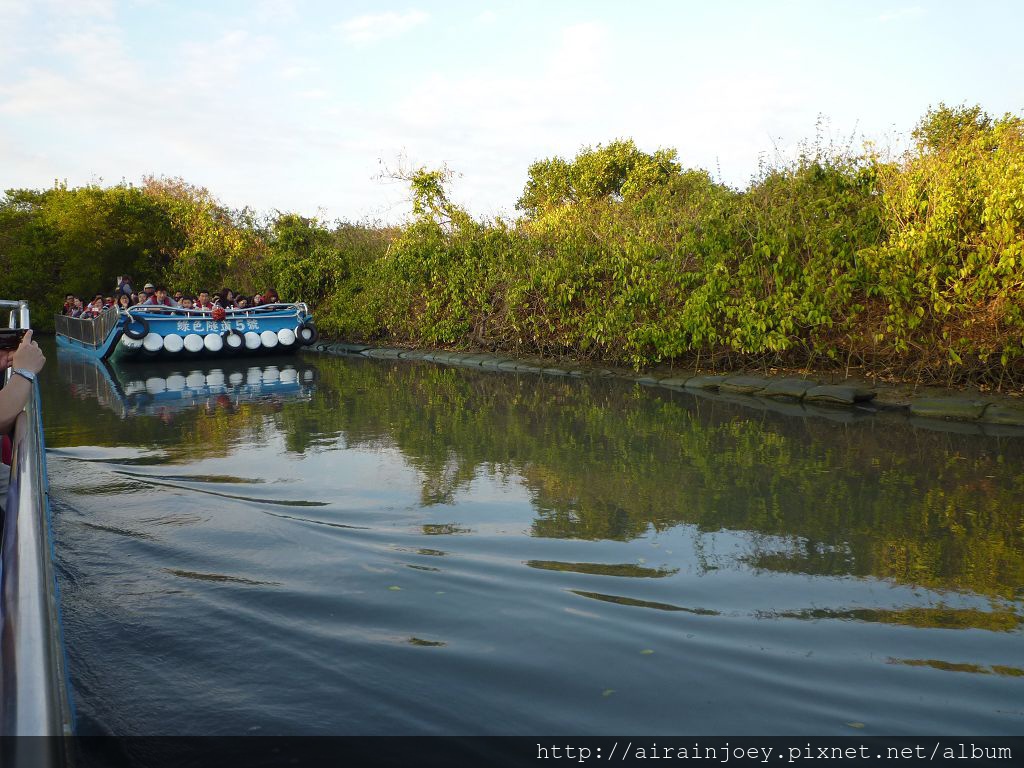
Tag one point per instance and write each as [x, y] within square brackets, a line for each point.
[143, 334]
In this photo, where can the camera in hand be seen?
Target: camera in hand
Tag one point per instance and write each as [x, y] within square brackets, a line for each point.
[10, 338]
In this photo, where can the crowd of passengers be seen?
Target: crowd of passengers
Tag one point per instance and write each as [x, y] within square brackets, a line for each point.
[124, 296]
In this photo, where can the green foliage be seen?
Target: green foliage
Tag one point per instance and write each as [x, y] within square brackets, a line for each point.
[955, 248]
[213, 245]
[302, 259]
[837, 258]
[61, 240]
[616, 171]
[834, 259]
[946, 127]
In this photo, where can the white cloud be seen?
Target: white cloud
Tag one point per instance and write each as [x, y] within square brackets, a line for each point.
[492, 124]
[79, 9]
[275, 12]
[897, 14]
[370, 28]
[13, 9]
[293, 69]
[13, 17]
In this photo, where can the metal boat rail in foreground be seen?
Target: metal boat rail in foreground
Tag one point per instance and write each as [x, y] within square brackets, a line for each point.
[34, 696]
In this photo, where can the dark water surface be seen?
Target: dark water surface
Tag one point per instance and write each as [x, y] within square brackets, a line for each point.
[325, 545]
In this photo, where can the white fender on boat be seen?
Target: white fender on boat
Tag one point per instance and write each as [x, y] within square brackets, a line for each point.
[269, 339]
[176, 382]
[196, 380]
[234, 341]
[213, 342]
[252, 340]
[153, 342]
[194, 343]
[305, 334]
[156, 384]
[130, 344]
[286, 336]
[173, 343]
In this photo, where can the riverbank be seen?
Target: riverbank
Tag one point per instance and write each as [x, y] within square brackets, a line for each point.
[968, 411]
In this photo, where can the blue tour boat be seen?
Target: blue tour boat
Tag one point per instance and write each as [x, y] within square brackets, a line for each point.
[145, 332]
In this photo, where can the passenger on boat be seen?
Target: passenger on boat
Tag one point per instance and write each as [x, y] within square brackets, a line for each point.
[178, 296]
[124, 285]
[124, 301]
[27, 361]
[241, 302]
[204, 301]
[187, 302]
[257, 299]
[270, 296]
[69, 303]
[76, 307]
[27, 358]
[226, 298]
[135, 299]
[160, 298]
[94, 308]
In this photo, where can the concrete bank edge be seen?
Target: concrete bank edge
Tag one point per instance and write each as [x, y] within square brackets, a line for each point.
[953, 412]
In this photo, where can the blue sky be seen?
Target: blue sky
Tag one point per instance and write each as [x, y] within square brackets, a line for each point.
[300, 106]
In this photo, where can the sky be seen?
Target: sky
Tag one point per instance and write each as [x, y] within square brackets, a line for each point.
[310, 107]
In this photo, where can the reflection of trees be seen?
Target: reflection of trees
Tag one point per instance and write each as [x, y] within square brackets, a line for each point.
[869, 498]
[185, 435]
[603, 461]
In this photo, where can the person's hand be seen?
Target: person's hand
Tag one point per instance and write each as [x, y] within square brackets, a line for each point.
[28, 355]
[5, 359]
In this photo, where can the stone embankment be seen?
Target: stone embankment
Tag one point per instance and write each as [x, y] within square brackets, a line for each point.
[934, 409]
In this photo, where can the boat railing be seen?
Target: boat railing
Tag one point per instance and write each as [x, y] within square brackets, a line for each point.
[34, 696]
[259, 309]
[88, 330]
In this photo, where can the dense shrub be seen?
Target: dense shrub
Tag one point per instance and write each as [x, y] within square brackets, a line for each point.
[910, 267]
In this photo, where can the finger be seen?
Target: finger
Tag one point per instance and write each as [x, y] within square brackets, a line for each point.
[27, 338]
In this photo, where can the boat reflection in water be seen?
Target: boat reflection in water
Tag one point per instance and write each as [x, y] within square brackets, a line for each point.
[162, 388]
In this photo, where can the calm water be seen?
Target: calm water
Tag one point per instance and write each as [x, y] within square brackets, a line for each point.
[345, 546]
